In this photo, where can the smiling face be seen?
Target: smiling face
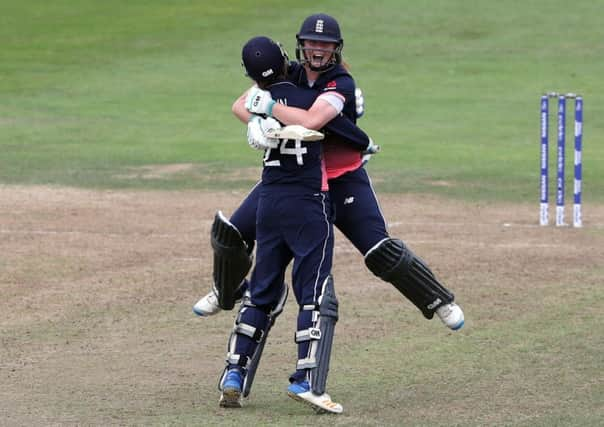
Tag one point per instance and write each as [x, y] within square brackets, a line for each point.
[318, 53]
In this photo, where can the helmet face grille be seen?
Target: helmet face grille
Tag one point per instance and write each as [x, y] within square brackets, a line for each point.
[336, 56]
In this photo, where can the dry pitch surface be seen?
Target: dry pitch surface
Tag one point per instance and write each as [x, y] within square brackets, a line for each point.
[97, 287]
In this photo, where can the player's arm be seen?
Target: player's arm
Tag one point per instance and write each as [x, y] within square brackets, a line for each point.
[343, 128]
[325, 108]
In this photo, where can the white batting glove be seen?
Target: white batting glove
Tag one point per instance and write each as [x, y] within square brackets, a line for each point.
[255, 133]
[369, 151]
[372, 148]
[359, 102]
[259, 101]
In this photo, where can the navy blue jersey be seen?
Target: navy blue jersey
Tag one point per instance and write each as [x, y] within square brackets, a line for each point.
[342, 129]
[295, 163]
[341, 150]
[335, 79]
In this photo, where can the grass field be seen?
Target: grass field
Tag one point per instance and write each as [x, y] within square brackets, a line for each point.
[117, 144]
[93, 92]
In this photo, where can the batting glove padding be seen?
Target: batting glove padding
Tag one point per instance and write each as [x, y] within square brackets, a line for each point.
[256, 128]
[259, 101]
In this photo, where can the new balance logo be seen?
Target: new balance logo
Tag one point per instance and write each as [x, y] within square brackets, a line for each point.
[434, 304]
[319, 26]
[349, 200]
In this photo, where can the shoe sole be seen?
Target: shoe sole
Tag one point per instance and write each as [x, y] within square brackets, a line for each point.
[231, 398]
[204, 313]
[458, 326]
[314, 407]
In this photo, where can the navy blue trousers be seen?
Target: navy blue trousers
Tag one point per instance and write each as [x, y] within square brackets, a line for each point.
[289, 227]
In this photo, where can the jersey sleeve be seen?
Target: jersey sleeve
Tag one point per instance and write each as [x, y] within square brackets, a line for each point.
[343, 84]
[334, 99]
[347, 131]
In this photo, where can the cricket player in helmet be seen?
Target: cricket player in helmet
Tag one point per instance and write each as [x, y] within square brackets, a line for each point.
[293, 222]
[319, 43]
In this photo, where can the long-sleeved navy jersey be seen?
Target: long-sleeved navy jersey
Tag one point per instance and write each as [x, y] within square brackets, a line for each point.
[334, 79]
[340, 150]
[295, 163]
[299, 162]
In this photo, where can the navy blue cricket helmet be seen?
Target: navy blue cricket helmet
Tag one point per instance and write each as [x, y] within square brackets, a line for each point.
[263, 59]
[320, 27]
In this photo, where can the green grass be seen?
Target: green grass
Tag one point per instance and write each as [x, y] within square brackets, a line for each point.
[92, 90]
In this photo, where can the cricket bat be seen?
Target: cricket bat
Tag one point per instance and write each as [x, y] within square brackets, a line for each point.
[295, 132]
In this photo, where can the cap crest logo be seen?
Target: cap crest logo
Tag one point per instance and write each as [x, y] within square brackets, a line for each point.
[319, 26]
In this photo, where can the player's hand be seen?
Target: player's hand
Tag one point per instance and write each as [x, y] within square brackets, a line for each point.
[359, 102]
[255, 133]
[371, 149]
[259, 101]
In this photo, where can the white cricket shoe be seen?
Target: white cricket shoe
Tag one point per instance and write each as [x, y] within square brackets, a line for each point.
[207, 306]
[451, 315]
[321, 404]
